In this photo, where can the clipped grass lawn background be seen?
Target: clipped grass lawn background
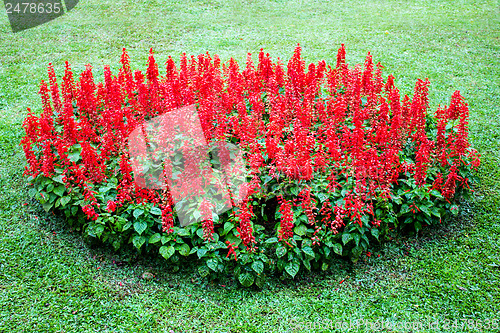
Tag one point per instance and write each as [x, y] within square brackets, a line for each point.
[54, 282]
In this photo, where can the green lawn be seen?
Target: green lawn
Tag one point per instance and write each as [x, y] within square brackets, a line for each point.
[51, 281]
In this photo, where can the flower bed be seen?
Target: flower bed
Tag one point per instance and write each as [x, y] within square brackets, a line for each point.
[335, 158]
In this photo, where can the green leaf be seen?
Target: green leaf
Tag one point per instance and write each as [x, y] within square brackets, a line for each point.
[292, 267]
[140, 226]
[326, 250]
[184, 249]
[435, 211]
[47, 206]
[417, 225]
[58, 179]
[356, 251]
[164, 239]
[425, 210]
[203, 271]
[65, 200]
[308, 251]
[116, 245]
[99, 229]
[182, 232]
[346, 238]
[375, 232]
[32, 192]
[167, 251]
[259, 281]
[307, 264]
[155, 238]
[50, 188]
[267, 179]
[337, 248]
[300, 230]
[437, 194]
[233, 239]
[271, 240]
[212, 264]
[324, 266]
[246, 279]
[228, 226]
[60, 190]
[356, 238]
[201, 252]
[138, 212]
[104, 189]
[138, 241]
[280, 264]
[307, 242]
[156, 211]
[219, 245]
[405, 208]
[264, 216]
[322, 197]
[258, 266]
[199, 232]
[302, 218]
[280, 251]
[127, 226]
[74, 156]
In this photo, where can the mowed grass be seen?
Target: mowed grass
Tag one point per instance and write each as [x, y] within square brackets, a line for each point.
[52, 281]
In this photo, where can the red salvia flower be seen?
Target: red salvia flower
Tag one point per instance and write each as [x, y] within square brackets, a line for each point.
[245, 229]
[167, 220]
[111, 206]
[208, 223]
[286, 221]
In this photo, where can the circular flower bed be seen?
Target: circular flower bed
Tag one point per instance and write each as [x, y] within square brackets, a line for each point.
[331, 159]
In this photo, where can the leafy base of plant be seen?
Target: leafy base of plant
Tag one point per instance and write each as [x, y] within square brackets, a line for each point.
[336, 159]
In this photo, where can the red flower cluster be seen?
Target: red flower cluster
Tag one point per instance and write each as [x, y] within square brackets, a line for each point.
[208, 223]
[301, 121]
[286, 221]
[231, 250]
[245, 229]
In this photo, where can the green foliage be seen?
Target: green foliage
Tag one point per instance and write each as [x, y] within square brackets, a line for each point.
[409, 209]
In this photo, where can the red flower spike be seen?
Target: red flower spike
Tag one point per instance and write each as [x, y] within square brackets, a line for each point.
[286, 221]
